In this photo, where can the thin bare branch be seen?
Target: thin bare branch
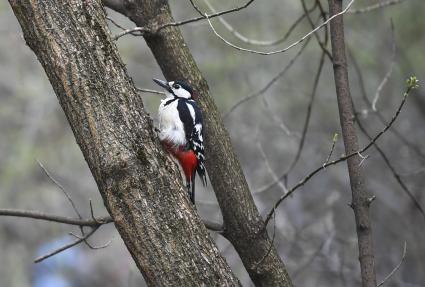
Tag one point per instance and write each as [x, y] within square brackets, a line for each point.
[396, 175]
[268, 111]
[67, 246]
[395, 268]
[96, 221]
[267, 85]
[55, 218]
[121, 27]
[334, 140]
[310, 259]
[303, 134]
[150, 91]
[141, 30]
[402, 138]
[144, 30]
[47, 173]
[254, 42]
[389, 72]
[376, 6]
[89, 245]
[283, 188]
[316, 35]
[257, 264]
[284, 49]
[341, 159]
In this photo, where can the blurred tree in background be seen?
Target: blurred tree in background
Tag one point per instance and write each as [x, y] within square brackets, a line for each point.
[313, 230]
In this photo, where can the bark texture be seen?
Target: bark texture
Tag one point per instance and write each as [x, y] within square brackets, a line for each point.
[242, 221]
[361, 198]
[140, 185]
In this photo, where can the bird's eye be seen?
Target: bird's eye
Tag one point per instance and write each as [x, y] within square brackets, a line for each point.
[176, 86]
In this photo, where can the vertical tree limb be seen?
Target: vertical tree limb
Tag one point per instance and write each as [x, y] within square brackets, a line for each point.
[361, 198]
[140, 185]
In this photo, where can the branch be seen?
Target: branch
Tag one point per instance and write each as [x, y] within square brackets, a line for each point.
[253, 41]
[304, 131]
[150, 91]
[267, 85]
[375, 6]
[144, 30]
[396, 175]
[323, 15]
[389, 72]
[341, 159]
[395, 268]
[381, 118]
[67, 246]
[334, 140]
[288, 47]
[55, 218]
[47, 173]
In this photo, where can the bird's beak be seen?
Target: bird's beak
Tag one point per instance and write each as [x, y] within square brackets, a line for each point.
[163, 84]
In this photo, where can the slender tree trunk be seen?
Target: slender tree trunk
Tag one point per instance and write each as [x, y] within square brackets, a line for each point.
[242, 221]
[140, 185]
[361, 198]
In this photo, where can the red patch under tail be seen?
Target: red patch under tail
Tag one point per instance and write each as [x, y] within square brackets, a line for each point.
[188, 161]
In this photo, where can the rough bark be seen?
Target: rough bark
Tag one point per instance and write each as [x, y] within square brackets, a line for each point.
[242, 221]
[139, 184]
[361, 198]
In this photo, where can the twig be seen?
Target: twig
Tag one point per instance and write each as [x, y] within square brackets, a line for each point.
[205, 16]
[80, 222]
[55, 218]
[121, 27]
[278, 121]
[267, 85]
[67, 246]
[334, 140]
[412, 84]
[389, 72]
[271, 171]
[393, 171]
[284, 49]
[395, 268]
[381, 118]
[323, 14]
[375, 6]
[61, 188]
[142, 31]
[88, 244]
[361, 162]
[253, 41]
[150, 91]
[310, 260]
[304, 131]
[145, 30]
[255, 265]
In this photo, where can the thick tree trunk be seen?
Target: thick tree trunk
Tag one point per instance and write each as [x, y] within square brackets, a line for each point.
[242, 221]
[140, 185]
[361, 198]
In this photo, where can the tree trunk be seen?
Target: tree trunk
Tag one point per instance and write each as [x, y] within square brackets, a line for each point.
[361, 198]
[140, 185]
[242, 221]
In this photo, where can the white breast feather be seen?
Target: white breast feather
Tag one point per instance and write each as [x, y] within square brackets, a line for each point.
[170, 126]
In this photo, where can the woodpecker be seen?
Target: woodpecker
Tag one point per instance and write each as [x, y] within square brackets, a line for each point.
[181, 130]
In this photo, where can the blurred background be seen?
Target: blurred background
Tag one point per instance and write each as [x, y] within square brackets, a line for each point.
[315, 231]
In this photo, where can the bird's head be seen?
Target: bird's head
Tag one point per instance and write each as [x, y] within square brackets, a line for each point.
[178, 88]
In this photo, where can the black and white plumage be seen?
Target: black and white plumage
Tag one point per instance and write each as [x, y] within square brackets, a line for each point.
[181, 130]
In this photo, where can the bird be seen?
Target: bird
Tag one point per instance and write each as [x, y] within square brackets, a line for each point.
[181, 130]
